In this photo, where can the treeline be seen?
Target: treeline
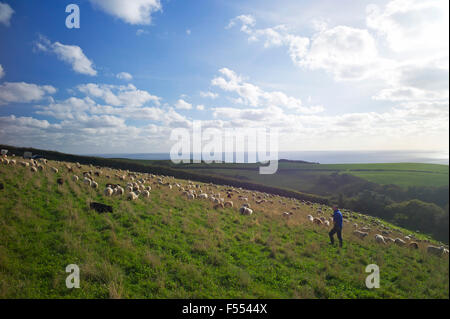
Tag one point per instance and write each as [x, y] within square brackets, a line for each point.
[165, 170]
[422, 208]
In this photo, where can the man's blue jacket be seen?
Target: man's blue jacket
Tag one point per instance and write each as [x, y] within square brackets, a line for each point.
[337, 218]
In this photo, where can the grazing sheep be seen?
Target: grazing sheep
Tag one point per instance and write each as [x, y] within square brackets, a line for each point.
[438, 251]
[414, 245]
[87, 181]
[108, 191]
[219, 205]
[94, 184]
[132, 196]
[287, 214]
[389, 239]
[327, 223]
[54, 170]
[119, 191]
[190, 196]
[317, 221]
[228, 204]
[12, 162]
[33, 169]
[146, 193]
[310, 218]
[360, 234]
[380, 239]
[400, 242]
[245, 211]
[75, 178]
[24, 164]
[203, 196]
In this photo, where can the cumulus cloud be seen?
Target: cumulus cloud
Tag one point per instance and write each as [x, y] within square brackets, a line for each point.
[21, 92]
[2, 72]
[118, 95]
[6, 13]
[183, 105]
[348, 53]
[210, 95]
[411, 25]
[124, 76]
[252, 95]
[200, 107]
[71, 54]
[130, 11]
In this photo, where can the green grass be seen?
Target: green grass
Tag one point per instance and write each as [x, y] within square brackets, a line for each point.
[304, 177]
[166, 247]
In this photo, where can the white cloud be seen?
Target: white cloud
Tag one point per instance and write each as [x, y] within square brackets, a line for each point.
[6, 13]
[21, 92]
[210, 95]
[124, 76]
[188, 32]
[348, 53]
[141, 32]
[412, 25]
[2, 72]
[118, 95]
[183, 105]
[130, 11]
[71, 54]
[246, 20]
[200, 107]
[253, 95]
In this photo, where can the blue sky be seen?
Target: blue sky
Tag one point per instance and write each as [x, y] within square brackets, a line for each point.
[330, 75]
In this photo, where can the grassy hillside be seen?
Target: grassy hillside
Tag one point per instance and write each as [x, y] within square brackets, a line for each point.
[168, 247]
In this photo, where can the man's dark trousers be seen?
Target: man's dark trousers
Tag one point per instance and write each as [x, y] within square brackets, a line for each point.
[336, 230]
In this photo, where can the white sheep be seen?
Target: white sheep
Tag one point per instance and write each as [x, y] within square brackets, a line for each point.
[379, 239]
[87, 181]
[108, 191]
[203, 196]
[94, 184]
[438, 251]
[132, 196]
[119, 191]
[54, 170]
[146, 193]
[360, 234]
[310, 218]
[399, 242]
[75, 178]
[245, 210]
[228, 204]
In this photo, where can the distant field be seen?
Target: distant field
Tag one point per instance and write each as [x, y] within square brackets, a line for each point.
[299, 176]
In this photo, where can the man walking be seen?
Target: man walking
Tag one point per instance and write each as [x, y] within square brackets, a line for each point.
[337, 229]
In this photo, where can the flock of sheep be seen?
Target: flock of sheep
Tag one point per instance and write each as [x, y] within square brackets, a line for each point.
[133, 185]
